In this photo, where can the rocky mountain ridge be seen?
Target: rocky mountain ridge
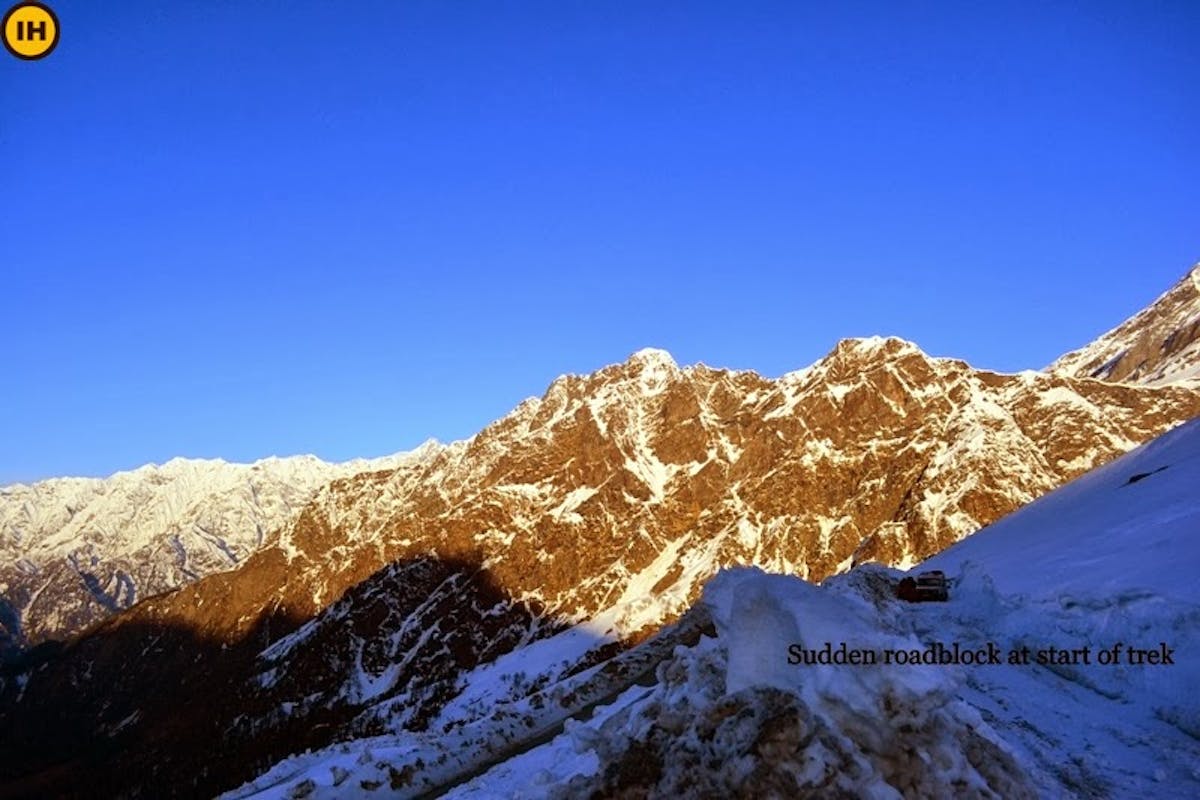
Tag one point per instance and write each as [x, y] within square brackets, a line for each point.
[605, 504]
[1157, 346]
[567, 531]
[74, 551]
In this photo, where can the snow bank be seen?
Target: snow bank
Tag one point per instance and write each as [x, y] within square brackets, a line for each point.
[732, 718]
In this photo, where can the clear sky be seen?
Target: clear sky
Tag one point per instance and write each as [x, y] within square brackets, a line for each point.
[241, 229]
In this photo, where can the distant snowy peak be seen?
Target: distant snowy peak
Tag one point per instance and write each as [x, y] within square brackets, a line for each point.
[653, 357]
[1158, 345]
[74, 550]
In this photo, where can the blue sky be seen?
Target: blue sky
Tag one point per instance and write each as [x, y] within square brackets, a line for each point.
[242, 229]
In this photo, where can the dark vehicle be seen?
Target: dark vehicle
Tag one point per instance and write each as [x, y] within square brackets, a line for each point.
[928, 586]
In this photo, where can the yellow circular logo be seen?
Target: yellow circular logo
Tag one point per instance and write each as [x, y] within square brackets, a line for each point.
[30, 31]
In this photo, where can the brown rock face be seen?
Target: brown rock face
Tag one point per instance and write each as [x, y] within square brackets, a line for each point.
[620, 490]
[876, 451]
[1159, 345]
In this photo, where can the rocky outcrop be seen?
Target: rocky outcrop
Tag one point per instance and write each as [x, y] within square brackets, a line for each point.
[1158, 345]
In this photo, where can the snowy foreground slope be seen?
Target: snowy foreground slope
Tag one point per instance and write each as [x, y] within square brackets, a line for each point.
[711, 706]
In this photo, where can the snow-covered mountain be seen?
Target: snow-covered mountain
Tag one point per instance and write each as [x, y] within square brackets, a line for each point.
[1158, 345]
[76, 550]
[717, 709]
[567, 532]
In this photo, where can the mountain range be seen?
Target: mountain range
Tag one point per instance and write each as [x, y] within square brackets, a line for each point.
[74, 551]
[290, 604]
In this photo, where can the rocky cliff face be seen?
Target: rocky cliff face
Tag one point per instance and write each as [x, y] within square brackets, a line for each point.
[610, 498]
[74, 551]
[643, 476]
[1159, 345]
